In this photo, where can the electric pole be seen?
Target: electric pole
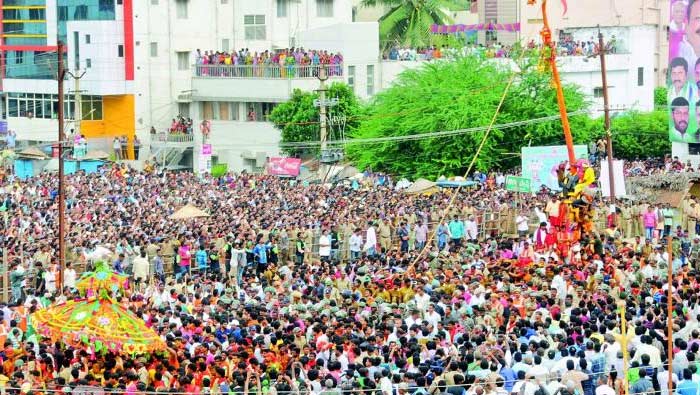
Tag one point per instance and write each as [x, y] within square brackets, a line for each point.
[78, 115]
[322, 77]
[608, 133]
[61, 177]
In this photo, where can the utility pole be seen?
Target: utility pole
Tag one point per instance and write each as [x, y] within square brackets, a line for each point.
[669, 312]
[61, 177]
[6, 263]
[322, 77]
[608, 133]
[78, 115]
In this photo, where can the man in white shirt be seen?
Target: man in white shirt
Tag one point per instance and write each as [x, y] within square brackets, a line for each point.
[69, 276]
[690, 46]
[355, 245]
[371, 240]
[422, 299]
[522, 226]
[471, 232]
[324, 246]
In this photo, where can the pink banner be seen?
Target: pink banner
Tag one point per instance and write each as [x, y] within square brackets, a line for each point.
[288, 167]
[446, 29]
[206, 149]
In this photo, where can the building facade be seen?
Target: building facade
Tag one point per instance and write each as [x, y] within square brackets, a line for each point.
[137, 63]
[581, 14]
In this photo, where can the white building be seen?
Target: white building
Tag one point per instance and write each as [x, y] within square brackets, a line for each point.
[138, 58]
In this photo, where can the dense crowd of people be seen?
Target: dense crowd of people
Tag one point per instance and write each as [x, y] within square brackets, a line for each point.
[351, 288]
[285, 63]
[567, 47]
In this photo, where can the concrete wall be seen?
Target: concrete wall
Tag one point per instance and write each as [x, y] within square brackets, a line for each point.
[105, 74]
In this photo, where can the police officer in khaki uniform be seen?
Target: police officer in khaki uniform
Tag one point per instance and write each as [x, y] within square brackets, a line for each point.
[627, 220]
[689, 214]
[384, 235]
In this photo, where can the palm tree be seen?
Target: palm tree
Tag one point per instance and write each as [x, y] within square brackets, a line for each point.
[408, 22]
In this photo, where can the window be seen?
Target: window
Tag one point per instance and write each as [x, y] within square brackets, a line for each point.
[219, 111]
[87, 39]
[81, 13]
[37, 14]
[491, 36]
[91, 108]
[106, 5]
[46, 106]
[640, 76]
[88, 63]
[693, 148]
[324, 8]
[598, 92]
[11, 14]
[351, 77]
[224, 1]
[370, 80]
[225, 45]
[183, 60]
[19, 57]
[154, 2]
[120, 51]
[183, 109]
[282, 8]
[62, 13]
[154, 49]
[254, 27]
[181, 9]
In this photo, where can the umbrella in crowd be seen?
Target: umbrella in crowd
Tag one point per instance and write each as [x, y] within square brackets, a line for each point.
[187, 212]
[98, 322]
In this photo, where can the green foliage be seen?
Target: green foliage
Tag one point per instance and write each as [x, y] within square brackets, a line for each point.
[458, 95]
[298, 119]
[408, 22]
[660, 96]
[641, 135]
[219, 170]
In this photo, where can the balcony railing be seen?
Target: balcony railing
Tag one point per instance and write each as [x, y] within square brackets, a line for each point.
[273, 71]
[172, 138]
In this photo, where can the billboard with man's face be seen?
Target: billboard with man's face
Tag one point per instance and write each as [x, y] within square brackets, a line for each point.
[684, 71]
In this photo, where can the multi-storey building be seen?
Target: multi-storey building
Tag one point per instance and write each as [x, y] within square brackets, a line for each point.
[139, 60]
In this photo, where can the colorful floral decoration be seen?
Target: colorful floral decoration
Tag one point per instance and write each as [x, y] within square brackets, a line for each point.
[98, 321]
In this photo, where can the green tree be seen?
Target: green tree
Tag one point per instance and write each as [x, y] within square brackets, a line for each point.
[408, 22]
[458, 95]
[639, 135]
[298, 118]
[660, 96]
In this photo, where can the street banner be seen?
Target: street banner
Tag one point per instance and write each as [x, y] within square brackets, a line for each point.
[683, 71]
[540, 164]
[518, 184]
[618, 176]
[285, 167]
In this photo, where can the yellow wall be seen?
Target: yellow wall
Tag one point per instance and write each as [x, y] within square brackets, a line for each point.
[117, 120]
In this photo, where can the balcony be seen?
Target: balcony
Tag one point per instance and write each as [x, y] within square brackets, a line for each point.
[173, 151]
[256, 83]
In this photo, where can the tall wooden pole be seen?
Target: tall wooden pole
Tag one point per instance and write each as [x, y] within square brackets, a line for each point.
[61, 176]
[546, 34]
[608, 134]
[669, 313]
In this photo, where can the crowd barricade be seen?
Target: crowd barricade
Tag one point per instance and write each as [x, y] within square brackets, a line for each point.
[266, 70]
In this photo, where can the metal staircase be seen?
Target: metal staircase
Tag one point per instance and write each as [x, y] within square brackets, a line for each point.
[174, 152]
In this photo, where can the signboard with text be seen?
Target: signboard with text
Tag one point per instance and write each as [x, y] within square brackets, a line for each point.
[285, 167]
[540, 164]
[518, 184]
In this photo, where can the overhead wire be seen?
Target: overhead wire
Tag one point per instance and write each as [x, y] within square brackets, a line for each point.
[432, 235]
